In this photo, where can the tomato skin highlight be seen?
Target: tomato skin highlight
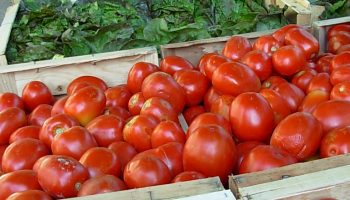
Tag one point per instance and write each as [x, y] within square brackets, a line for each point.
[172, 64]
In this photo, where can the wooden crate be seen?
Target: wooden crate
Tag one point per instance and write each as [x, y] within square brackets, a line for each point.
[323, 178]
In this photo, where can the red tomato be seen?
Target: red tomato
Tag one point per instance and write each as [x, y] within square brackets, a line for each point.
[55, 125]
[38, 163]
[340, 74]
[259, 62]
[291, 94]
[334, 30]
[320, 82]
[280, 34]
[264, 157]
[165, 132]
[344, 48]
[172, 64]
[118, 111]
[62, 176]
[289, 137]
[160, 109]
[124, 151]
[58, 106]
[252, 117]
[9, 99]
[211, 96]
[336, 142]
[235, 78]
[288, 60]
[211, 151]
[22, 154]
[341, 91]
[138, 131]
[30, 195]
[324, 63]
[40, 114]
[2, 150]
[35, 93]
[338, 40]
[303, 78]
[222, 106]
[84, 81]
[11, 119]
[118, 96]
[106, 129]
[267, 44]
[213, 63]
[100, 161]
[188, 176]
[146, 171]
[25, 132]
[171, 155]
[272, 82]
[18, 181]
[303, 39]
[195, 85]
[100, 185]
[192, 112]
[138, 73]
[135, 104]
[85, 104]
[160, 84]
[243, 150]
[340, 60]
[203, 61]
[312, 99]
[236, 47]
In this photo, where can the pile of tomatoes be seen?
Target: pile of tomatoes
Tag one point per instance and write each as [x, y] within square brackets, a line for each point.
[254, 107]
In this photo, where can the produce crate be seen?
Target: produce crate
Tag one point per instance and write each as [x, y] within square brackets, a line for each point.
[323, 178]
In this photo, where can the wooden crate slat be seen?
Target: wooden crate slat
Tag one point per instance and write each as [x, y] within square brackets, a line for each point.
[6, 26]
[220, 195]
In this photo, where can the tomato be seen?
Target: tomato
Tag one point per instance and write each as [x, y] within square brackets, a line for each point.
[311, 64]
[340, 74]
[100, 185]
[40, 114]
[211, 151]
[288, 60]
[213, 63]
[73, 142]
[320, 82]
[9, 99]
[195, 85]
[160, 84]
[62, 176]
[272, 82]
[303, 39]
[2, 150]
[259, 62]
[54, 126]
[324, 63]
[280, 34]
[138, 131]
[58, 106]
[312, 99]
[100, 161]
[146, 171]
[135, 103]
[203, 61]
[35, 93]
[344, 48]
[138, 72]
[235, 78]
[251, 117]
[338, 40]
[160, 109]
[243, 150]
[340, 60]
[118, 96]
[277, 103]
[211, 96]
[18, 181]
[85, 104]
[303, 78]
[336, 142]
[165, 132]
[334, 30]
[10, 120]
[171, 64]
[291, 94]
[188, 176]
[124, 151]
[264, 157]
[236, 47]
[84, 81]
[25, 132]
[38, 163]
[29, 194]
[106, 129]
[267, 43]
[192, 112]
[171, 154]
[118, 111]
[289, 137]
[341, 91]
[222, 106]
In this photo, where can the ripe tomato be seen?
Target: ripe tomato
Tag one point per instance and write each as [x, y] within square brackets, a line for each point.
[291, 94]
[320, 82]
[74, 142]
[84, 81]
[333, 114]
[334, 30]
[100, 160]
[18, 181]
[235, 78]
[267, 43]
[100, 185]
[9, 99]
[35, 93]
[259, 62]
[211, 151]
[340, 60]
[58, 106]
[303, 39]
[62, 176]
[11, 119]
[124, 151]
[138, 73]
[251, 117]
[85, 104]
[211, 96]
[303, 78]
[203, 61]
[192, 112]
[280, 34]
[25, 132]
[160, 109]
[195, 85]
[118, 96]
[188, 176]
[171, 64]
[135, 103]
[341, 91]
[323, 64]
[312, 99]
[146, 171]
[165, 132]
[336, 142]
[340, 74]
[160, 84]
[37, 164]
[272, 82]
[2, 150]
[55, 125]
[243, 150]
[344, 48]
[338, 40]
[288, 60]
[213, 63]
[236, 47]
[40, 114]
[171, 155]
[138, 131]
[222, 106]
[264, 157]
[106, 129]
[118, 111]
[289, 137]
[30, 194]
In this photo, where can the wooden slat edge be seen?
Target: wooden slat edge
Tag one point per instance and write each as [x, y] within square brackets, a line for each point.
[3, 60]
[299, 6]
[220, 195]
[6, 27]
[329, 22]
